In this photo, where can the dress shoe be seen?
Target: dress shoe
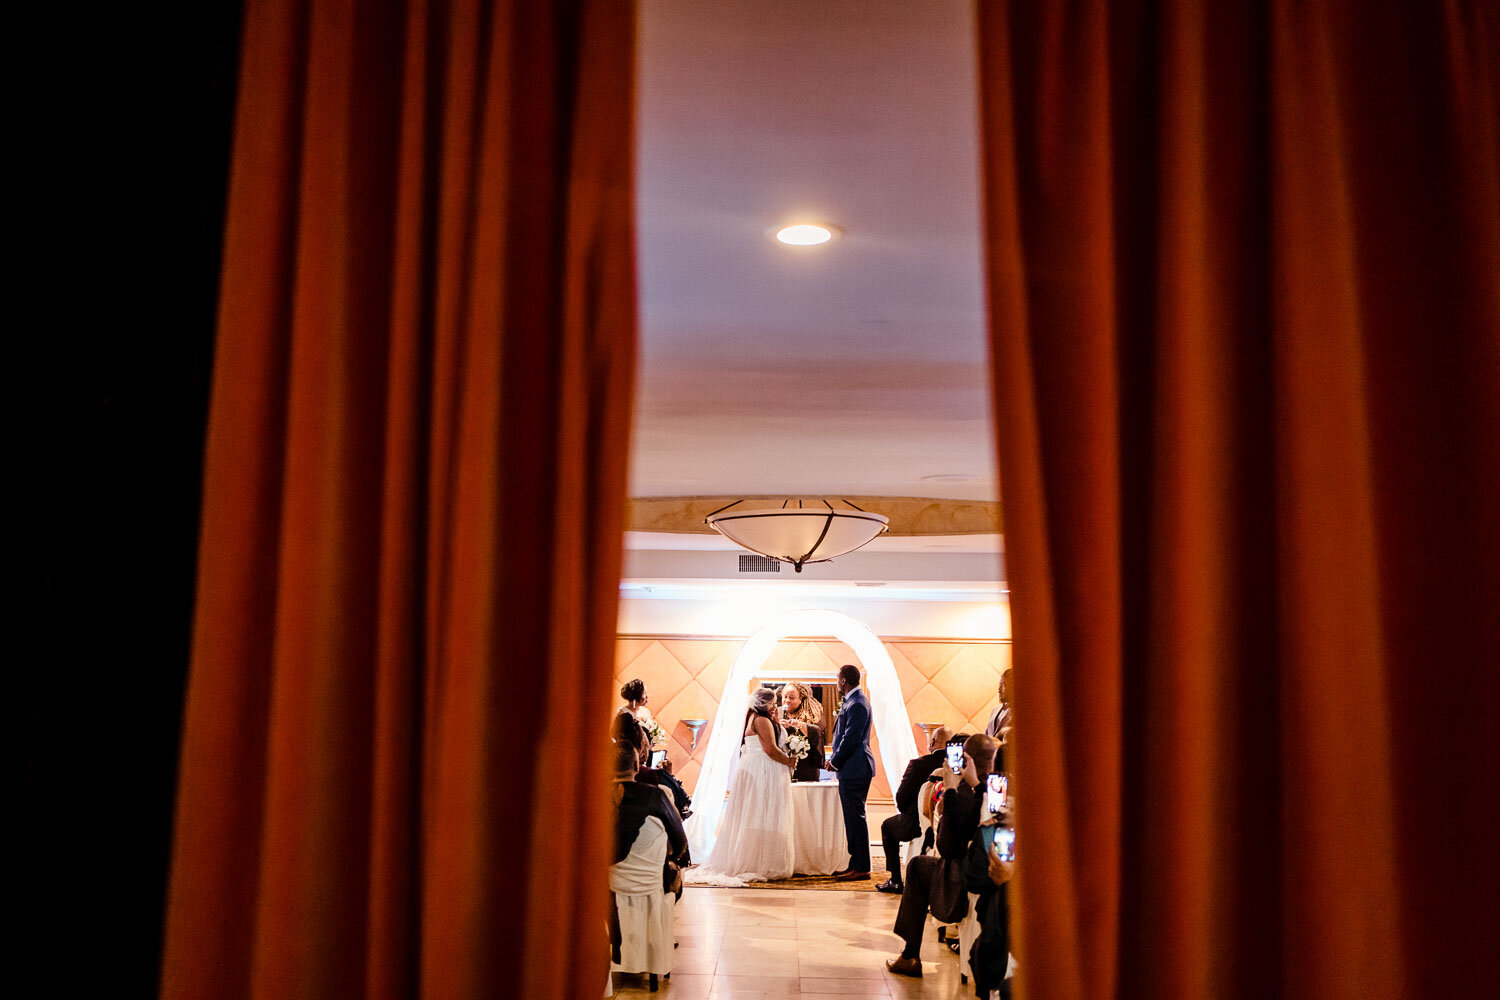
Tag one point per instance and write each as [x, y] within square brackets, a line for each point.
[889, 885]
[841, 871]
[851, 877]
[905, 967]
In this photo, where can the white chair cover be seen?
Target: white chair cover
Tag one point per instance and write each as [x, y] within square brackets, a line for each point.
[968, 933]
[645, 911]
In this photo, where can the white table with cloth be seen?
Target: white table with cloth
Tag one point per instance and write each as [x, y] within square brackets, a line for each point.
[819, 846]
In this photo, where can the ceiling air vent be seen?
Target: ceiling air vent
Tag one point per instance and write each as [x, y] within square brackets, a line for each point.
[759, 564]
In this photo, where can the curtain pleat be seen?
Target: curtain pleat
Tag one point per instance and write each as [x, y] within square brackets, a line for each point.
[1244, 270]
[414, 485]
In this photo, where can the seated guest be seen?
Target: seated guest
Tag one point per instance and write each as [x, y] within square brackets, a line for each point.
[907, 823]
[932, 798]
[634, 801]
[801, 713]
[665, 777]
[938, 882]
[988, 877]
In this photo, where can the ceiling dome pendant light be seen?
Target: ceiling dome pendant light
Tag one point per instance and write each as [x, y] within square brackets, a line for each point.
[799, 534]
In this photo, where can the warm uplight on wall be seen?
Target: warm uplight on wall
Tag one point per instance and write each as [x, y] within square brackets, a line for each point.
[804, 234]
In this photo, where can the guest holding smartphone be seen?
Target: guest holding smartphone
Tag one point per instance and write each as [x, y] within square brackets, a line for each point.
[987, 873]
[938, 884]
[907, 823]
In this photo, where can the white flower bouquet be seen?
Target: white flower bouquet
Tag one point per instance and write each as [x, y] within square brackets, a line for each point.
[656, 734]
[797, 746]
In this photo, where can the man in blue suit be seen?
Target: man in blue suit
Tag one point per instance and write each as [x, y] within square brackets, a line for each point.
[855, 765]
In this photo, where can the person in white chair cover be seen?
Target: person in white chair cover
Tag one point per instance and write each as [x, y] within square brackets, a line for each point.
[635, 802]
[755, 835]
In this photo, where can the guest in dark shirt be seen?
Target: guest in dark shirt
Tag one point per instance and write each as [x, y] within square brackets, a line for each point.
[907, 823]
[634, 801]
[664, 777]
[988, 877]
[930, 880]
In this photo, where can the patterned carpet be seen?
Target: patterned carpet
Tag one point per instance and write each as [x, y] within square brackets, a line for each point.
[877, 876]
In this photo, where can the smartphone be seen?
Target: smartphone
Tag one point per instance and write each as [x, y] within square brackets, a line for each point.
[996, 786]
[657, 756]
[1005, 843]
[955, 753]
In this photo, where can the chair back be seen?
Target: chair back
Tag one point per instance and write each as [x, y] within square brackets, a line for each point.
[640, 873]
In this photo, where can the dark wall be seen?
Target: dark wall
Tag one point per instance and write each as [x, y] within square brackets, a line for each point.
[126, 146]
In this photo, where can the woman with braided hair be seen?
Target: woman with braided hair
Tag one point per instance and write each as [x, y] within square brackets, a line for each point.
[801, 713]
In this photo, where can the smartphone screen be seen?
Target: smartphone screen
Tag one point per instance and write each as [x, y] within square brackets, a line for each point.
[995, 789]
[1005, 843]
[657, 756]
[956, 757]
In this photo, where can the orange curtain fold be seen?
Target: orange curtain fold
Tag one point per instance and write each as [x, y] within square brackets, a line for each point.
[414, 481]
[1244, 284]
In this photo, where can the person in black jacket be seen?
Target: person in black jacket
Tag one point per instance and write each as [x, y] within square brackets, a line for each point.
[931, 881]
[634, 801]
[907, 822]
[988, 878]
[664, 776]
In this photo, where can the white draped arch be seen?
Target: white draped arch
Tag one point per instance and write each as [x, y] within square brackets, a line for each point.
[888, 708]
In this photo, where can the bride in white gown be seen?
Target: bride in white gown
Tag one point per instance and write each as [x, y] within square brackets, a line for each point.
[755, 835]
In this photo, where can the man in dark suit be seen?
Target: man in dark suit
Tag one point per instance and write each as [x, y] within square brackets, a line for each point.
[938, 883]
[855, 766]
[1000, 722]
[907, 822]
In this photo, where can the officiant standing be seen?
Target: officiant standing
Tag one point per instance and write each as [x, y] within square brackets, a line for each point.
[855, 766]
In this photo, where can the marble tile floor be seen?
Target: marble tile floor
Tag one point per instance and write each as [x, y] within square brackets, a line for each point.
[750, 944]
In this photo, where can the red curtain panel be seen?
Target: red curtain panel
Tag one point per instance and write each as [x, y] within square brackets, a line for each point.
[414, 483]
[1244, 274]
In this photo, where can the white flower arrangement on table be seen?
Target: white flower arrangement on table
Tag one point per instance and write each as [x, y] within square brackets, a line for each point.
[797, 746]
[656, 734]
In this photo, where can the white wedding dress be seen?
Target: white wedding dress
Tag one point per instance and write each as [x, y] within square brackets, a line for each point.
[755, 834]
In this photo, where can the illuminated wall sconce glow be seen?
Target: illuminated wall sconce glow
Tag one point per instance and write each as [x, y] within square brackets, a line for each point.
[804, 235]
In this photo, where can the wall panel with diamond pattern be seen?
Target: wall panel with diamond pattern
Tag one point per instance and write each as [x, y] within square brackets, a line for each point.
[943, 681]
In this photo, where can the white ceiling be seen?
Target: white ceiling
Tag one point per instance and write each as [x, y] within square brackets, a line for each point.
[854, 368]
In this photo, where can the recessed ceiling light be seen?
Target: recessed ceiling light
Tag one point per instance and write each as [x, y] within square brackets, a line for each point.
[804, 234]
